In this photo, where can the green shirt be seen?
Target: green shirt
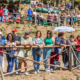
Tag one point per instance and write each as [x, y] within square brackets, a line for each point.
[26, 52]
[48, 41]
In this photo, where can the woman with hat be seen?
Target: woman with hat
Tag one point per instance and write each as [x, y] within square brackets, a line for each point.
[25, 41]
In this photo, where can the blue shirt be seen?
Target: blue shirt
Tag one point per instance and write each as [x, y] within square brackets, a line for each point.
[6, 11]
[57, 50]
[2, 42]
[47, 6]
[67, 41]
[39, 42]
[3, 37]
[29, 12]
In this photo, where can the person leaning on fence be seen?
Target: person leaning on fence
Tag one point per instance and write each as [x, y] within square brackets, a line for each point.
[77, 40]
[11, 51]
[17, 41]
[69, 41]
[59, 41]
[25, 41]
[29, 14]
[2, 42]
[49, 40]
[37, 52]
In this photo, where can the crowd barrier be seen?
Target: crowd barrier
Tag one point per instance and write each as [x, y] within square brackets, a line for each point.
[42, 62]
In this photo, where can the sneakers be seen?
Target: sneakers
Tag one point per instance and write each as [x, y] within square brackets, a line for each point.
[17, 73]
[20, 73]
[35, 72]
[26, 73]
[38, 72]
[47, 70]
[51, 69]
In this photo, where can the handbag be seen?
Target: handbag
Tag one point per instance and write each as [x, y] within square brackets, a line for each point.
[39, 52]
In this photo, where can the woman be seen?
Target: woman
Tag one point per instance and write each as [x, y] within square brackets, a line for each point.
[49, 40]
[74, 19]
[2, 42]
[11, 60]
[78, 19]
[37, 52]
[68, 19]
[77, 40]
[49, 17]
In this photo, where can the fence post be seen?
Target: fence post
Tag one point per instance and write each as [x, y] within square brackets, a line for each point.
[2, 76]
[70, 63]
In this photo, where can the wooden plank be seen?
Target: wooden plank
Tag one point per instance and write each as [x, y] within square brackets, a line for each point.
[2, 73]
[70, 63]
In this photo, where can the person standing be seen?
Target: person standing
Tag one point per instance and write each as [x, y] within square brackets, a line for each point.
[25, 41]
[37, 52]
[11, 60]
[17, 41]
[29, 13]
[6, 13]
[49, 40]
[1, 14]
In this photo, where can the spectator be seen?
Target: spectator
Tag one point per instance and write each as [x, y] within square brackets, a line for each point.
[62, 19]
[68, 19]
[47, 6]
[6, 13]
[49, 40]
[49, 17]
[1, 14]
[37, 52]
[2, 42]
[78, 19]
[22, 15]
[29, 13]
[77, 40]
[25, 41]
[55, 18]
[2, 34]
[11, 60]
[17, 41]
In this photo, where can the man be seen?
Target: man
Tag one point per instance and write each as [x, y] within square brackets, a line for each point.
[6, 13]
[2, 34]
[25, 41]
[29, 13]
[17, 40]
[1, 14]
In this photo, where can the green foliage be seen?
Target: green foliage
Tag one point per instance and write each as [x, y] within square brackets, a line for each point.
[20, 34]
[64, 79]
[18, 27]
[45, 25]
[34, 26]
[34, 31]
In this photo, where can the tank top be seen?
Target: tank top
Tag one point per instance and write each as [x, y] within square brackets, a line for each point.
[48, 41]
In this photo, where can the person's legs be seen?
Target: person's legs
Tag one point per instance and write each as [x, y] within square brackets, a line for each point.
[48, 52]
[35, 58]
[2, 18]
[78, 56]
[25, 65]
[1, 61]
[5, 18]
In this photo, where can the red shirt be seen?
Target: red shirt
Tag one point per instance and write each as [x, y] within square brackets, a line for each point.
[1, 11]
[1, 50]
[78, 42]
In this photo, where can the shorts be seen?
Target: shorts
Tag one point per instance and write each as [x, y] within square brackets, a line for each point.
[29, 18]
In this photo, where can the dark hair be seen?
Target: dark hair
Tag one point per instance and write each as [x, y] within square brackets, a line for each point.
[60, 34]
[13, 38]
[50, 33]
[71, 36]
[40, 33]
[1, 29]
[78, 36]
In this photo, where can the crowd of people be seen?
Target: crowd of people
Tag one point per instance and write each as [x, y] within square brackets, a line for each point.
[12, 40]
[66, 18]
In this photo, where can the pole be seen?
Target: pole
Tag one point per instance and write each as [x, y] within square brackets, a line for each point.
[70, 63]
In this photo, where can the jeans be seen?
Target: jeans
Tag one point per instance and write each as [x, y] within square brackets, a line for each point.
[55, 22]
[36, 57]
[1, 18]
[16, 63]
[78, 56]
[11, 62]
[6, 18]
[46, 54]
[66, 64]
[62, 23]
[22, 20]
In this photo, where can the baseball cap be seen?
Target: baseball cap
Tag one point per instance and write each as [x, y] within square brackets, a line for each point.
[27, 32]
[14, 30]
